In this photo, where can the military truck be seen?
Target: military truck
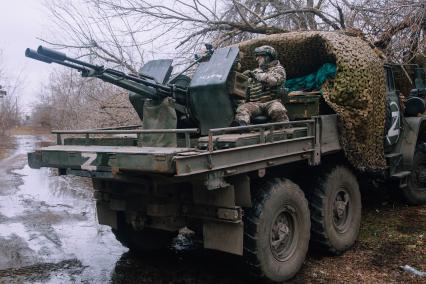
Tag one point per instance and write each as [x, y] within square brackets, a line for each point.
[264, 191]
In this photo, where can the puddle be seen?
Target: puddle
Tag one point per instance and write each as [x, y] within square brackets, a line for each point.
[18, 229]
[51, 219]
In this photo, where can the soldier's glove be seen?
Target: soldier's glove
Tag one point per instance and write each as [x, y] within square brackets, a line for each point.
[249, 74]
[260, 77]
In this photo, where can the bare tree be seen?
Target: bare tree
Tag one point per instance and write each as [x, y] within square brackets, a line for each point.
[10, 113]
[395, 26]
[124, 32]
[69, 102]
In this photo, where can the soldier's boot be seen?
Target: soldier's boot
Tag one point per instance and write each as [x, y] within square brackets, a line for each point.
[238, 122]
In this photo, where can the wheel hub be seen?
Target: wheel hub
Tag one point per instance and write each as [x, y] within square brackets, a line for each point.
[283, 235]
[340, 210]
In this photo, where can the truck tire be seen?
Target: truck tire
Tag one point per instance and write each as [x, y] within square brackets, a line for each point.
[145, 240]
[335, 203]
[276, 230]
[415, 191]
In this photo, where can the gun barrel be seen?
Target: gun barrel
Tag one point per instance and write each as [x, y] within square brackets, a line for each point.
[163, 89]
[51, 53]
[145, 86]
[56, 55]
[34, 55]
[129, 85]
[40, 57]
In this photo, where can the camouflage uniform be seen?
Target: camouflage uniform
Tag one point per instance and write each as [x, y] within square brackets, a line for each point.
[264, 99]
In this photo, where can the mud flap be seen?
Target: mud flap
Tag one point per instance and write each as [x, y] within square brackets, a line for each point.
[105, 215]
[227, 237]
[413, 127]
[34, 160]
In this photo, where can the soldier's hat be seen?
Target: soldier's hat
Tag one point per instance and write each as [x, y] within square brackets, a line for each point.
[266, 50]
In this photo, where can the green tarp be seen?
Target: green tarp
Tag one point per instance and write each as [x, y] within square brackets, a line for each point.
[313, 81]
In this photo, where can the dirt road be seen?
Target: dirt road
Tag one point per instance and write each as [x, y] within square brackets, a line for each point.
[48, 228]
[49, 234]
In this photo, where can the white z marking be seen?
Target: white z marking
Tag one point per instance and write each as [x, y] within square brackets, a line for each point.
[87, 164]
[394, 130]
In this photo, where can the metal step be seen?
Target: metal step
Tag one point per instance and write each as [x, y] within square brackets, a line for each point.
[402, 174]
[393, 160]
[392, 155]
[402, 177]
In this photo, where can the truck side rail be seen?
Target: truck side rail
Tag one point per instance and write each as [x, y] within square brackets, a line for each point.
[258, 156]
[87, 132]
[123, 127]
[262, 128]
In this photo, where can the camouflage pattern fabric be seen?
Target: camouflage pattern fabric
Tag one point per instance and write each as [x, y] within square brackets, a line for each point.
[159, 115]
[274, 109]
[273, 75]
[357, 93]
[266, 80]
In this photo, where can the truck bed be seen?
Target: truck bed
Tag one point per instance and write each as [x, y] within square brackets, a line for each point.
[227, 153]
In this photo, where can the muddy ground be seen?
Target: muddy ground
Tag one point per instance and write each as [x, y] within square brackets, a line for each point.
[49, 234]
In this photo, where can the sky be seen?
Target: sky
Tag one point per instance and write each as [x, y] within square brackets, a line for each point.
[21, 23]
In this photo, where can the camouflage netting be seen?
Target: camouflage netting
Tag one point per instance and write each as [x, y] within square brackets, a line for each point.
[357, 94]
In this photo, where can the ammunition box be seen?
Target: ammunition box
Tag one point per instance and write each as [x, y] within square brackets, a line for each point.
[238, 84]
[302, 106]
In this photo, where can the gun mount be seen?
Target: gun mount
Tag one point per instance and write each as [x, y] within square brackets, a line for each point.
[196, 100]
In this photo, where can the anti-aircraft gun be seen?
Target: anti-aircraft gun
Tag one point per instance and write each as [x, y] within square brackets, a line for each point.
[196, 100]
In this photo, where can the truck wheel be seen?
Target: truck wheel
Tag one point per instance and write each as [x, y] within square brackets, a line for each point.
[415, 191]
[335, 202]
[276, 234]
[143, 241]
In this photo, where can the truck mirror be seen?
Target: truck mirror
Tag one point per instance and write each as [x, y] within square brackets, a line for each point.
[419, 80]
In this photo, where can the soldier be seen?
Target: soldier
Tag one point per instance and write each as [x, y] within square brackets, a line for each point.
[264, 82]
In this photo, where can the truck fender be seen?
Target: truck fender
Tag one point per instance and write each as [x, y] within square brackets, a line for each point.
[412, 127]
